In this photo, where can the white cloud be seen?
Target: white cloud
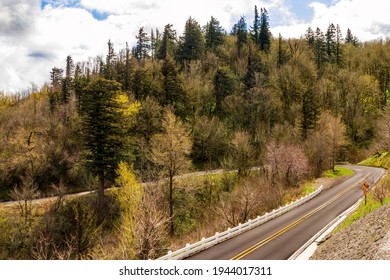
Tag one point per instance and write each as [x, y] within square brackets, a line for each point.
[367, 20]
[32, 41]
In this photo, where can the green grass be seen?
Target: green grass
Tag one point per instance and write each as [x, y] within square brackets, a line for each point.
[363, 210]
[378, 160]
[338, 172]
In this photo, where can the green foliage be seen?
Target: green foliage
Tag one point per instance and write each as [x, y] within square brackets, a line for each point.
[167, 46]
[191, 45]
[173, 93]
[378, 160]
[225, 84]
[362, 211]
[264, 34]
[338, 172]
[129, 197]
[214, 34]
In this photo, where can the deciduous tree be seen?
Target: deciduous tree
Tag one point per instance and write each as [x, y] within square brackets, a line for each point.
[170, 150]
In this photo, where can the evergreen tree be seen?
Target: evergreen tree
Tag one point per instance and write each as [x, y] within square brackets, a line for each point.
[143, 45]
[56, 77]
[240, 30]
[80, 82]
[310, 111]
[338, 48]
[255, 30]
[103, 122]
[191, 45]
[331, 43]
[310, 37]
[350, 39]
[167, 46]
[254, 66]
[141, 83]
[108, 69]
[67, 82]
[319, 48]
[172, 87]
[225, 84]
[127, 70]
[214, 34]
[265, 34]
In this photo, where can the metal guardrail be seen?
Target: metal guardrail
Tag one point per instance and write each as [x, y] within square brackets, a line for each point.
[205, 243]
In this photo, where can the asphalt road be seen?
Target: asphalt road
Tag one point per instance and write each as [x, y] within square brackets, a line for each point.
[278, 239]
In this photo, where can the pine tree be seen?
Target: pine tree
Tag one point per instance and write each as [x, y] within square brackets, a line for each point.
[265, 34]
[191, 45]
[339, 47]
[254, 66]
[168, 42]
[225, 84]
[67, 82]
[310, 37]
[108, 69]
[255, 29]
[240, 30]
[173, 90]
[350, 39]
[103, 123]
[143, 45]
[310, 111]
[80, 82]
[56, 80]
[127, 70]
[331, 43]
[214, 34]
[319, 48]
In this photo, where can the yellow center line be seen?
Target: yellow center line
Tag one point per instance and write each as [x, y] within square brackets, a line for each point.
[295, 223]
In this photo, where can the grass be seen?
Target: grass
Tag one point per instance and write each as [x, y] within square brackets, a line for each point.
[338, 172]
[378, 160]
[363, 210]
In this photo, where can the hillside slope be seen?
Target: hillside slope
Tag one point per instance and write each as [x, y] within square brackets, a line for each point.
[366, 239]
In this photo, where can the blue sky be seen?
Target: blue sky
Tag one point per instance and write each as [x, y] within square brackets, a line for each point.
[38, 35]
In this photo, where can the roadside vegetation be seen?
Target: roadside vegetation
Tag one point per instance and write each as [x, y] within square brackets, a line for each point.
[376, 198]
[207, 99]
[338, 171]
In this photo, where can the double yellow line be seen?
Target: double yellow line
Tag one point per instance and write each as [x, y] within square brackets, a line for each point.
[295, 223]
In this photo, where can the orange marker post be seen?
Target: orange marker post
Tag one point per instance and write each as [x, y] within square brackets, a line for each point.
[365, 187]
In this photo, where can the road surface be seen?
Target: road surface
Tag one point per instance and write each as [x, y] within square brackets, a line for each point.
[278, 239]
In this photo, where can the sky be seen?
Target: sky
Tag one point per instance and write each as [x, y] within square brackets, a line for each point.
[36, 36]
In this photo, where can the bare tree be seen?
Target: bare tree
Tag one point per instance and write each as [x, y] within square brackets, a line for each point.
[241, 204]
[24, 197]
[170, 150]
[242, 153]
[286, 164]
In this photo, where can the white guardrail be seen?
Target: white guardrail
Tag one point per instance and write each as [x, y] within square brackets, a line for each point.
[206, 243]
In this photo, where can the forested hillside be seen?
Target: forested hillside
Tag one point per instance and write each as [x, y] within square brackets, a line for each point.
[175, 103]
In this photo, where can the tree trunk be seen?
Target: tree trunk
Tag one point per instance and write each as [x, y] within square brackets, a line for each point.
[101, 197]
[172, 226]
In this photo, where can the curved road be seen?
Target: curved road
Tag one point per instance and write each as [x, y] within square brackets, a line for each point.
[278, 239]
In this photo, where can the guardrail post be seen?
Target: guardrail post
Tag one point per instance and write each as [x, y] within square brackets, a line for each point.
[203, 242]
[229, 232]
[188, 247]
[217, 237]
[169, 255]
